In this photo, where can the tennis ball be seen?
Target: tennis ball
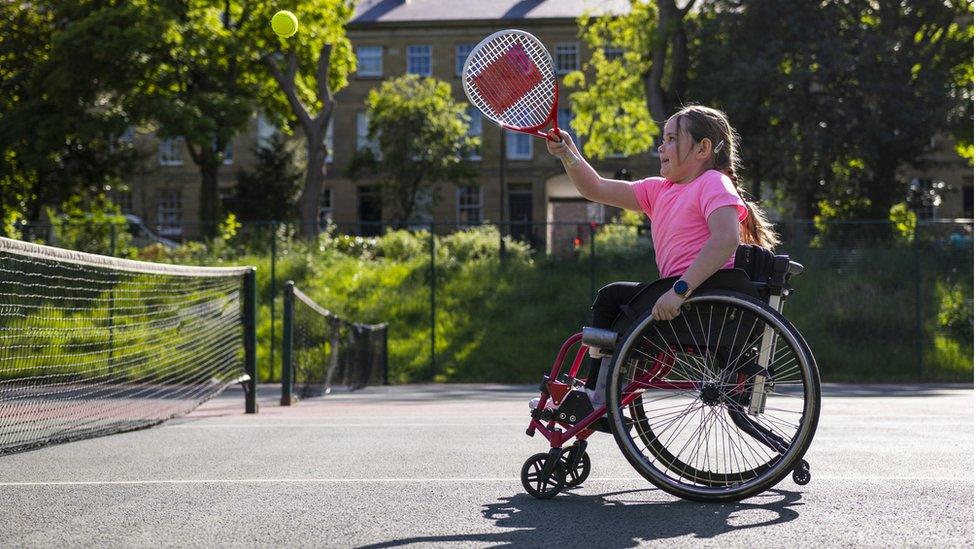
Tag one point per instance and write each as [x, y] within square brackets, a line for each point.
[284, 23]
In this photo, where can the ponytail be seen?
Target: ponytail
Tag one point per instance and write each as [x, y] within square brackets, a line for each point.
[705, 122]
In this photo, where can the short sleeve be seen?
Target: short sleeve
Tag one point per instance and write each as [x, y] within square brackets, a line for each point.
[646, 191]
[717, 190]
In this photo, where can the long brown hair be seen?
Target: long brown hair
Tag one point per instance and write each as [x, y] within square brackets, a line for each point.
[705, 122]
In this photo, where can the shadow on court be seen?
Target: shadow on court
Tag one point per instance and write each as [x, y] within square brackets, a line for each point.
[616, 519]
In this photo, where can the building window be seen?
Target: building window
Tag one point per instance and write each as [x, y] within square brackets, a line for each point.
[469, 205]
[369, 61]
[266, 130]
[124, 200]
[461, 52]
[329, 141]
[228, 152]
[567, 57]
[518, 146]
[225, 195]
[474, 130]
[967, 201]
[325, 209]
[612, 53]
[363, 140]
[418, 60]
[171, 151]
[169, 212]
[564, 117]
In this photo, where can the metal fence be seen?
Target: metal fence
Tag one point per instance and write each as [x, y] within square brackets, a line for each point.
[876, 302]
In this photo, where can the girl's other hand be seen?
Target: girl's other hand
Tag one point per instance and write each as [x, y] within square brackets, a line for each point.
[668, 306]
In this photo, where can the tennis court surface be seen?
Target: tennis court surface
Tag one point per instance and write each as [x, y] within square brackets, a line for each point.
[438, 465]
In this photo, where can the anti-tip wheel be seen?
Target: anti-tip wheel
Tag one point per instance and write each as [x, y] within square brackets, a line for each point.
[538, 486]
[801, 474]
[575, 475]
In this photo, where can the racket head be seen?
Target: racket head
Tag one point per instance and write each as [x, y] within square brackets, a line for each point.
[509, 77]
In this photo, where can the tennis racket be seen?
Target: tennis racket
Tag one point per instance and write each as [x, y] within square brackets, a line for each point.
[510, 78]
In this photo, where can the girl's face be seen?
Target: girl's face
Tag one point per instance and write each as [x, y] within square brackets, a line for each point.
[682, 159]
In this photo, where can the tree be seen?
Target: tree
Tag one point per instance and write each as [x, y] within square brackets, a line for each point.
[308, 68]
[832, 120]
[633, 91]
[60, 112]
[423, 140]
[268, 192]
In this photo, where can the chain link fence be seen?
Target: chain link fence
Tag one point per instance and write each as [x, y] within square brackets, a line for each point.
[877, 301]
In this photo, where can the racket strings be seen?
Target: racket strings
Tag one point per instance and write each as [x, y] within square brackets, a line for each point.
[533, 108]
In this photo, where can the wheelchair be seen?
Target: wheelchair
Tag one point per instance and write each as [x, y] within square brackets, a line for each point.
[718, 404]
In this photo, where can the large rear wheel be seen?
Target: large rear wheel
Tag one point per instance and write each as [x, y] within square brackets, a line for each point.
[717, 404]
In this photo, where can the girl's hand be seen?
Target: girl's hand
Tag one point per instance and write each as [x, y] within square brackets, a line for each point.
[668, 306]
[559, 144]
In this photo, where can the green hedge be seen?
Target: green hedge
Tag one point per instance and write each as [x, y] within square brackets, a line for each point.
[503, 321]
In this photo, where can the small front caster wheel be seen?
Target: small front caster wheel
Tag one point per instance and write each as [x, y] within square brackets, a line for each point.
[801, 473]
[536, 484]
[575, 475]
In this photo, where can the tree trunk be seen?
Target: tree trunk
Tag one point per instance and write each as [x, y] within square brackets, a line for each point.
[209, 161]
[308, 201]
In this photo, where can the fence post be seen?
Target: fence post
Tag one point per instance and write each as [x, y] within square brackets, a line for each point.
[287, 340]
[592, 261]
[433, 302]
[274, 295]
[114, 238]
[918, 301]
[386, 355]
[250, 340]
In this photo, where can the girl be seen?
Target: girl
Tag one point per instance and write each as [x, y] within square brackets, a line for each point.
[698, 217]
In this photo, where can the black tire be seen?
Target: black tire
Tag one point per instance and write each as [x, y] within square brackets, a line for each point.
[576, 475]
[678, 438]
[533, 481]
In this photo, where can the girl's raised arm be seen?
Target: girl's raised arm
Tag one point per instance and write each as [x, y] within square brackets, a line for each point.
[611, 192]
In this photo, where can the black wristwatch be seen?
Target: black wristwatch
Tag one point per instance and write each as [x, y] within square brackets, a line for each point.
[681, 288]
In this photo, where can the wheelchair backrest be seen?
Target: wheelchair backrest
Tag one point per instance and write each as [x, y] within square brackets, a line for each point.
[769, 272]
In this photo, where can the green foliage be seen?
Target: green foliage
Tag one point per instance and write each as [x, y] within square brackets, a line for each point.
[955, 314]
[94, 225]
[903, 222]
[480, 243]
[423, 140]
[611, 109]
[821, 117]
[402, 245]
[268, 192]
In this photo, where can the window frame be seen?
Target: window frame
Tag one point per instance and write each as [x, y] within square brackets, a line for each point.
[410, 56]
[458, 207]
[370, 74]
[556, 58]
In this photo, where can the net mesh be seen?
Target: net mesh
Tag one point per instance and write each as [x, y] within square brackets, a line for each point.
[91, 345]
[329, 351]
[510, 78]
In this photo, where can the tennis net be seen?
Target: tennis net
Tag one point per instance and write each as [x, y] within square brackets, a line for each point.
[321, 351]
[93, 345]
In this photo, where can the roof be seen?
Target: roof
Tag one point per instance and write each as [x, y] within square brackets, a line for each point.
[391, 11]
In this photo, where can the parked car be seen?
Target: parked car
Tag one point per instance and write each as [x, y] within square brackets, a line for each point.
[142, 236]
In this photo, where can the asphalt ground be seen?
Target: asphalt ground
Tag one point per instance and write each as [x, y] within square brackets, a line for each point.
[438, 465]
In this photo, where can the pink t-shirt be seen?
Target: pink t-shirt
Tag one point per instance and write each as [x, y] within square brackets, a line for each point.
[679, 216]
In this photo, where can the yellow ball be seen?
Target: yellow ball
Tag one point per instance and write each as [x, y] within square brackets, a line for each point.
[284, 23]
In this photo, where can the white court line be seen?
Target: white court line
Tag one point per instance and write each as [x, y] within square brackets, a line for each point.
[395, 480]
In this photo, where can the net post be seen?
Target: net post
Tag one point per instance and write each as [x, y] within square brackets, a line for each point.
[250, 340]
[287, 340]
